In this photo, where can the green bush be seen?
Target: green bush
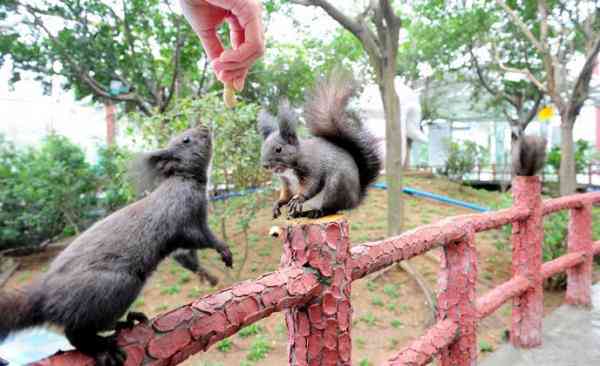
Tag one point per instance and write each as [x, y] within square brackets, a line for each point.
[236, 141]
[583, 156]
[259, 349]
[463, 158]
[555, 238]
[485, 346]
[44, 191]
[225, 345]
[115, 188]
[251, 330]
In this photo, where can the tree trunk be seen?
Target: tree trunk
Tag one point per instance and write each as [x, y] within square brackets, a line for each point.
[393, 152]
[567, 174]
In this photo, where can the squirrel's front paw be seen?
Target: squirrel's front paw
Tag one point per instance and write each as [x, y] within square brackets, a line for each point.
[113, 357]
[108, 353]
[295, 205]
[226, 256]
[132, 318]
[276, 210]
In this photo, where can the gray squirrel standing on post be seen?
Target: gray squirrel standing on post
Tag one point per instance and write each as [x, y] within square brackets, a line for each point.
[330, 171]
[94, 281]
[528, 152]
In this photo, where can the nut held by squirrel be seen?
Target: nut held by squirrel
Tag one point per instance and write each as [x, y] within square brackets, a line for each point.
[229, 96]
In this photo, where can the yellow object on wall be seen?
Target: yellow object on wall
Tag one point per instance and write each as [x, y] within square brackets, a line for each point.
[546, 113]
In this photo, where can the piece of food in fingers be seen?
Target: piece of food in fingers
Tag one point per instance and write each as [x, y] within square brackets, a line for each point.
[229, 96]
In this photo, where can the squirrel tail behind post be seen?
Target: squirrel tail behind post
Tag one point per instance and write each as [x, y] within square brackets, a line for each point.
[17, 312]
[328, 116]
[528, 154]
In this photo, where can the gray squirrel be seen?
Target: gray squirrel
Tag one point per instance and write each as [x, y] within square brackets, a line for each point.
[528, 152]
[146, 179]
[94, 281]
[330, 171]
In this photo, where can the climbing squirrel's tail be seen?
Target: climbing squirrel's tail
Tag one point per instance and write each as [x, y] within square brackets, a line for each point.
[528, 154]
[328, 116]
[17, 312]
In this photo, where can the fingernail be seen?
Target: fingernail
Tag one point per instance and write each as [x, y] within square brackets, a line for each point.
[238, 84]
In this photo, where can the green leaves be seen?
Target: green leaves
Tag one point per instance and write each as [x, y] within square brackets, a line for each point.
[467, 43]
[44, 191]
[98, 41]
[236, 142]
[463, 158]
[583, 155]
[52, 190]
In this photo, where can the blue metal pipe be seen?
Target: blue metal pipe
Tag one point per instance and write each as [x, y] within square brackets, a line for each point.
[436, 197]
[381, 185]
[224, 196]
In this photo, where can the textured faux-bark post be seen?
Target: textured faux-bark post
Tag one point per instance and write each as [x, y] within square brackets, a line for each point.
[527, 237]
[319, 332]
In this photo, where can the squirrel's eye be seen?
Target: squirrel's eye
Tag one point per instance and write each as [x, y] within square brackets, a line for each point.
[278, 149]
[186, 140]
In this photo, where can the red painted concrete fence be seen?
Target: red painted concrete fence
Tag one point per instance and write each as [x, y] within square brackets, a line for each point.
[318, 265]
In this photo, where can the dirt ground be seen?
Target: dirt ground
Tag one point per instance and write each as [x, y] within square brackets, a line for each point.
[389, 308]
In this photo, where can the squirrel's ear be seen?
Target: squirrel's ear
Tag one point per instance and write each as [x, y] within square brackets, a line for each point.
[287, 122]
[155, 156]
[146, 170]
[267, 123]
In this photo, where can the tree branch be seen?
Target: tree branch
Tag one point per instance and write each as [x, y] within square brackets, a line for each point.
[176, 68]
[378, 21]
[588, 25]
[533, 111]
[100, 91]
[482, 81]
[525, 72]
[510, 120]
[81, 73]
[543, 10]
[582, 85]
[131, 45]
[393, 21]
[357, 27]
[516, 20]
[203, 77]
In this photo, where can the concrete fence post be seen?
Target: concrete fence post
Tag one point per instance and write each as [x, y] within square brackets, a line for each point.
[456, 299]
[527, 237]
[579, 278]
[319, 332]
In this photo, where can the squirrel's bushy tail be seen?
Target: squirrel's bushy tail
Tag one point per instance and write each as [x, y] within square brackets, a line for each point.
[328, 116]
[16, 312]
[529, 155]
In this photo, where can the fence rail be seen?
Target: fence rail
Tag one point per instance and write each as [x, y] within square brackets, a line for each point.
[589, 175]
[313, 288]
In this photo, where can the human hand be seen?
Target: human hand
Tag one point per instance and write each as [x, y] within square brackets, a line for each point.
[244, 18]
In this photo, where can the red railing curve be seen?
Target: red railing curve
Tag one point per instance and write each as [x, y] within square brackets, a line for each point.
[318, 266]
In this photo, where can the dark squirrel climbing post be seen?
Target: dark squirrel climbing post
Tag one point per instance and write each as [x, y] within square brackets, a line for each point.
[319, 332]
[528, 153]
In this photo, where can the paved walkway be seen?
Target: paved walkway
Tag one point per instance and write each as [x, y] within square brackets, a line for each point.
[571, 338]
